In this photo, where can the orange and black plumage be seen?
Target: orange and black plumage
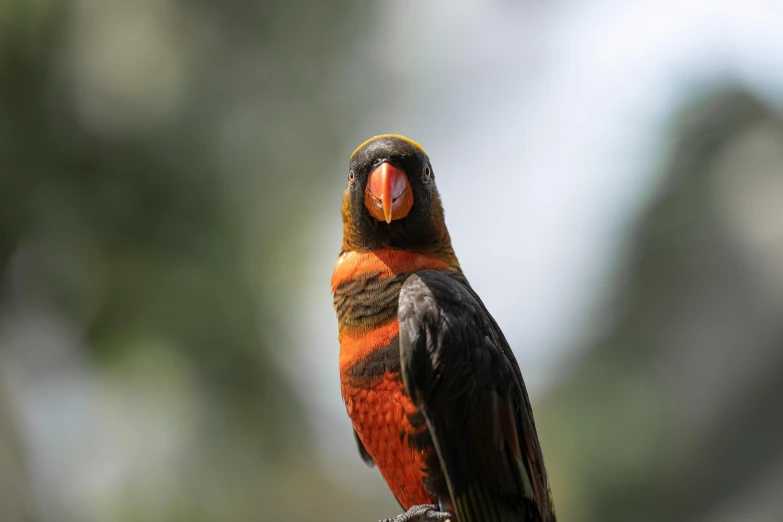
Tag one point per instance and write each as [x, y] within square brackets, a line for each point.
[432, 388]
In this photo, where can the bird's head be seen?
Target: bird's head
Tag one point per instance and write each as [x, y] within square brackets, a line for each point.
[391, 199]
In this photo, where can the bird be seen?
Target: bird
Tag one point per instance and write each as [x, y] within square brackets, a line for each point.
[434, 393]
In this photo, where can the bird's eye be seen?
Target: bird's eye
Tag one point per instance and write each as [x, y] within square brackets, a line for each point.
[427, 173]
[351, 176]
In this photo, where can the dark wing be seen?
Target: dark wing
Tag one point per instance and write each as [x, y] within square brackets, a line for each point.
[363, 451]
[462, 375]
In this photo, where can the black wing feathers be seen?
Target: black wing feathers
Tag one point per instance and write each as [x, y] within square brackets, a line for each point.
[461, 374]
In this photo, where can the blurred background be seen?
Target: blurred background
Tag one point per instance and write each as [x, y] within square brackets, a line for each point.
[170, 181]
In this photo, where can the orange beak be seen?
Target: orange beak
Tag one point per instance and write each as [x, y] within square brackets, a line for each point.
[388, 195]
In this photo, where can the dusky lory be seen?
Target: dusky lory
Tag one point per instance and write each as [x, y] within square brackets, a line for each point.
[432, 388]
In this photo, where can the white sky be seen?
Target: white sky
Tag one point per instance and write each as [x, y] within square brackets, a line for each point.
[544, 127]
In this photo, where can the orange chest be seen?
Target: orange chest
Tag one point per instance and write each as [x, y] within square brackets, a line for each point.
[366, 288]
[384, 417]
[385, 262]
[390, 427]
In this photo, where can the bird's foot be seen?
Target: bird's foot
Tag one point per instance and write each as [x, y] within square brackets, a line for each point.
[422, 513]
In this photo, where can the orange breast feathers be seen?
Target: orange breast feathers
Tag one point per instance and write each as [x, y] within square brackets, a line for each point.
[367, 284]
[380, 416]
[385, 262]
[354, 270]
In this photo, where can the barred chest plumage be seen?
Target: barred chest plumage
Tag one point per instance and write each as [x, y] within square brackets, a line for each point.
[366, 288]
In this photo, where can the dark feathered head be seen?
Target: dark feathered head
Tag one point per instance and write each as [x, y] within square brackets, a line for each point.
[391, 199]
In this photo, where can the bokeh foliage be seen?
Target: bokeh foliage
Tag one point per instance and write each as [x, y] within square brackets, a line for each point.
[143, 199]
[668, 416]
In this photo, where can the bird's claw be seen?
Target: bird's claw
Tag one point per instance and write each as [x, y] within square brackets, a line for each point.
[422, 513]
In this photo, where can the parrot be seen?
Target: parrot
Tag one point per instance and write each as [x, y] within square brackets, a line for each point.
[430, 384]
